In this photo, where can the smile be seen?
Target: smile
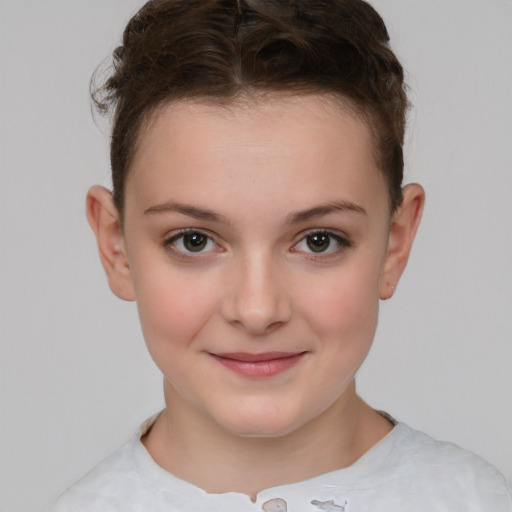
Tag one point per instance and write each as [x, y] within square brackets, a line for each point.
[262, 365]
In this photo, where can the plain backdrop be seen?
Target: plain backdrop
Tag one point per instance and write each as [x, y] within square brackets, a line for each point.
[75, 379]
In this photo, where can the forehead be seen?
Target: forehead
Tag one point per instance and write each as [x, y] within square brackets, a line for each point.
[279, 144]
[263, 109]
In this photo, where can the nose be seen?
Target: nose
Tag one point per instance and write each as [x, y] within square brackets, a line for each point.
[256, 298]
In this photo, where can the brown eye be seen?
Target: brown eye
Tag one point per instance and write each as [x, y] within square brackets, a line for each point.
[318, 242]
[190, 242]
[321, 244]
[194, 242]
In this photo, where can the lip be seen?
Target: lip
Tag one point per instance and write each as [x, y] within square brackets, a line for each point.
[262, 365]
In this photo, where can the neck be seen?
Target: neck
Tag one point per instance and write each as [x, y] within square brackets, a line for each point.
[201, 452]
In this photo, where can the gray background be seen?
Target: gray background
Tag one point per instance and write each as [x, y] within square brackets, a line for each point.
[75, 379]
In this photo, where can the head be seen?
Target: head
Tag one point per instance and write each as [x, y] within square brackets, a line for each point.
[220, 50]
[257, 214]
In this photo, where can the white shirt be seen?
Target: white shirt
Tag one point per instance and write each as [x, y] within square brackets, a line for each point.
[406, 471]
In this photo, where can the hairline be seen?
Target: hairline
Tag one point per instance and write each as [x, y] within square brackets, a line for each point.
[247, 98]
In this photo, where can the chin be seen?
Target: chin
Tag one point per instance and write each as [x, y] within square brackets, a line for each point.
[262, 423]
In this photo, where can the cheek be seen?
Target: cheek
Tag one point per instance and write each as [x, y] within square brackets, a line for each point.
[344, 320]
[173, 307]
[343, 311]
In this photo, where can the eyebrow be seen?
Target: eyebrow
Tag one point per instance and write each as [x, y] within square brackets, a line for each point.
[293, 218]
[324, 209]
[187, 209]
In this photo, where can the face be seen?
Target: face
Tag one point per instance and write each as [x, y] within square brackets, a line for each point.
[256, 240]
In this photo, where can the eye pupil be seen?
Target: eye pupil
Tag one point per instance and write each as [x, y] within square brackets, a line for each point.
[318, 242]
[194, 242]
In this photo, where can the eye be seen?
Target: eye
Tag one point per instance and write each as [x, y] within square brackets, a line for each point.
[190, 242]
[318, 242]
[321, 242]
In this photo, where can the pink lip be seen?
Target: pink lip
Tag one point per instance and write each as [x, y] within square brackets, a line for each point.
[265, 364]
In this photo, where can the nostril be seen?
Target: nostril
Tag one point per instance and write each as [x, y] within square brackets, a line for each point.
[273, 326]
[254, 329]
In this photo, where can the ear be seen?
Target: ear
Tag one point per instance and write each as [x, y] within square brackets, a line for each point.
[404, 225]
[105, 222]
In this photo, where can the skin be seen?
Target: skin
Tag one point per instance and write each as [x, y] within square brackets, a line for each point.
[256, 184]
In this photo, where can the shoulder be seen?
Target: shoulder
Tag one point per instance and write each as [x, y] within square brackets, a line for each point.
[443, 472]
[103, 488]
[127, 480]
[425, 453]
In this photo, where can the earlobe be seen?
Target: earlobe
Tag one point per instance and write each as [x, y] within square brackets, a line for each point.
[104, 220]
[404, 226]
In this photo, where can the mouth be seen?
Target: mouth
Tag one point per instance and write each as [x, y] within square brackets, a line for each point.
[262, 365]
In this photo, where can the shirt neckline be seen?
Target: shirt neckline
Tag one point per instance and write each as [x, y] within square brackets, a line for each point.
[369, 466]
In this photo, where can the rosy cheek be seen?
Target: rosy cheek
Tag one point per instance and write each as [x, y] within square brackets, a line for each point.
[173, 310]
[345, 309]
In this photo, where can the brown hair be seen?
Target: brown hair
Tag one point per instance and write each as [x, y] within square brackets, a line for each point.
[218, 49]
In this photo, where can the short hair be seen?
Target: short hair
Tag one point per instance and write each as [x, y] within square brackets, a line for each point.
[218, 50]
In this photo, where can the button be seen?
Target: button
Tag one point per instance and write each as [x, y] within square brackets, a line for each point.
[275, 505]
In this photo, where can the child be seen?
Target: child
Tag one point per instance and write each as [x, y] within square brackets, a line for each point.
[257, 217]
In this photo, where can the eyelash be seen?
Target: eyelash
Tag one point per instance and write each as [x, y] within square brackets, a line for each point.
[342, 244]
[170, 243]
